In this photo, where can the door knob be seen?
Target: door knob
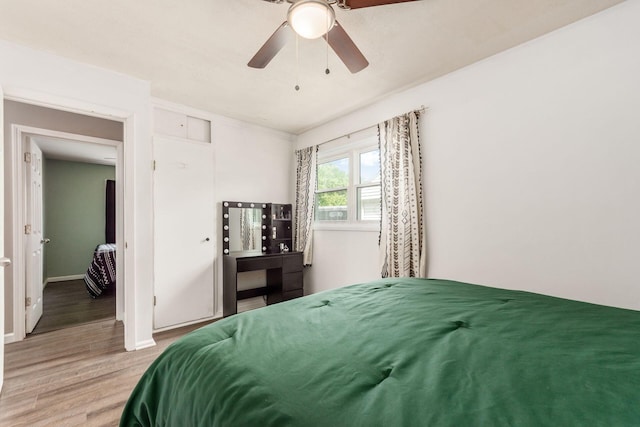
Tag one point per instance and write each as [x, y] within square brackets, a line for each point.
[5, 262]
[45, 241]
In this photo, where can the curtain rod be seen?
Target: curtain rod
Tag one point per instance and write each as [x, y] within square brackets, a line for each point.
[422, 110]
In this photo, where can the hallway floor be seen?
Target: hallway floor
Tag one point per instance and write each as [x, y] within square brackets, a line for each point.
[69, 304]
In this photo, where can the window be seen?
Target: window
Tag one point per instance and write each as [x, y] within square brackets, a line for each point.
[368, 187]
[348, 189]
[333, 186]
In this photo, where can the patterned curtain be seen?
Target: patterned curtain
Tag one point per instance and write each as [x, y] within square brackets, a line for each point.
[306, 174]
[402, 237]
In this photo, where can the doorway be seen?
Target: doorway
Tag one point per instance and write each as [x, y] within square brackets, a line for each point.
[77, 214]
[51, 134]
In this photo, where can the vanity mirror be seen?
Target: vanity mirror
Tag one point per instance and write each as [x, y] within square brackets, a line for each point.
[244, 227]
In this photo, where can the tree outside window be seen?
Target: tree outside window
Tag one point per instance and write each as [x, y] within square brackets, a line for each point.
[331, 197]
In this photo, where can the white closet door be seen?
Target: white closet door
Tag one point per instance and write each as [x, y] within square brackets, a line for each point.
[184, 243]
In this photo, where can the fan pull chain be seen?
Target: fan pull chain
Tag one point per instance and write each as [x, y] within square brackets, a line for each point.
[327, 71]
[297, 87]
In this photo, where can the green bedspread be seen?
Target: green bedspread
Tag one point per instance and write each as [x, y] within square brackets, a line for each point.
[401, 352]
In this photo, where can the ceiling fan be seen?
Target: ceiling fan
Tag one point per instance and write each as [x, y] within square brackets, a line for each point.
[313, 19]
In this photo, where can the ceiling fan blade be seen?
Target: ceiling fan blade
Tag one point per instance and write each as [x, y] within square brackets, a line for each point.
[271, 47]
[346, 49]
[357, 4]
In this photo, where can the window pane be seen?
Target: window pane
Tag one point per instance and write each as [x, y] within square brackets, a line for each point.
[331, 206]
[369, 203]
[333, 174]
[370, 167]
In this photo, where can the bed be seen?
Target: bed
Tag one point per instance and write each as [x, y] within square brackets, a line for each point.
[401, 352]
[101, 274]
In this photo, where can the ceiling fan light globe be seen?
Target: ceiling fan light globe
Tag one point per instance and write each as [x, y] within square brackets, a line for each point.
[311, 19]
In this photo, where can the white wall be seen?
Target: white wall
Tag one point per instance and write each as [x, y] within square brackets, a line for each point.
[342, 258]
[531, 167]
[252, 163]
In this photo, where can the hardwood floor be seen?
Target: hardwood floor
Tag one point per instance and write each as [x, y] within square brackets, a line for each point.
[68, 303]
[78, 376]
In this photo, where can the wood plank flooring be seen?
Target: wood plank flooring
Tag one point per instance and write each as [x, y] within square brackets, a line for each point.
[68, 303]
[78, 376]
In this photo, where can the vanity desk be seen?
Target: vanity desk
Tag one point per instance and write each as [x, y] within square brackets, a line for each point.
[258, 236]
[284, 277]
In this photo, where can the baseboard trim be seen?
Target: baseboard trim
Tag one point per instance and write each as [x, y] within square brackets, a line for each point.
[63, 278]
[145, 344]
[192, 322]
[9, 338]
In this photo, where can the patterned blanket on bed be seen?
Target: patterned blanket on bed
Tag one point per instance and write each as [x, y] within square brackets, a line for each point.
[101, 273]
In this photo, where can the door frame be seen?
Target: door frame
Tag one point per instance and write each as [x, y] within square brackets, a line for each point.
[19, 134]
[130, 120]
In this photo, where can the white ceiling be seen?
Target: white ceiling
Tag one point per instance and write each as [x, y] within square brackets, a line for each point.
[76, 151]
[195, 52]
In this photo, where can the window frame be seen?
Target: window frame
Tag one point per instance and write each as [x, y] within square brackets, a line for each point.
[352, 151]
[357, 173]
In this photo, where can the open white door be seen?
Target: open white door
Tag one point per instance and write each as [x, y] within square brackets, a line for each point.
[3, 261]
[33, 233]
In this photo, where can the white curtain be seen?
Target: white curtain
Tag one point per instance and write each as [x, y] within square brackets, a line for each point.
[402, 236]
[306, 175]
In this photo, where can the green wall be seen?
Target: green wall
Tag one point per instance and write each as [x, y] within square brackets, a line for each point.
[74, 214]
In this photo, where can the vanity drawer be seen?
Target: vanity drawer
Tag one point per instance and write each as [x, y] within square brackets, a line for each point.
[292, 281]
[259, 263]
[292, 262]
[292, 294]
